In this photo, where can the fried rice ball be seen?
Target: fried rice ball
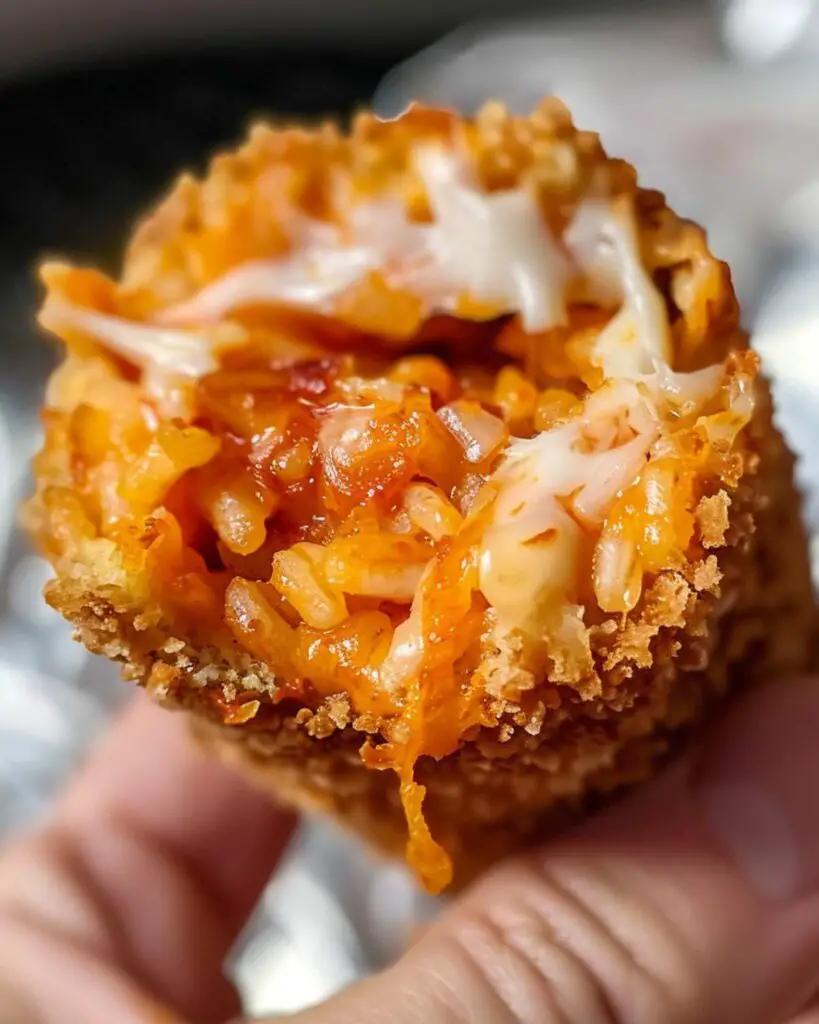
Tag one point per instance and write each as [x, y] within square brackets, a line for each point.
[428, 468]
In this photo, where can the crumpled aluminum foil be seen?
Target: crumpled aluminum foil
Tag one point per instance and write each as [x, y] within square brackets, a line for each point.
[733, 145]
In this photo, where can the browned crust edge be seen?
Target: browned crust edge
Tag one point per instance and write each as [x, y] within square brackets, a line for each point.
[516, 781]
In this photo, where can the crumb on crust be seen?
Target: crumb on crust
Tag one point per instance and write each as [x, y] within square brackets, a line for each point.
[747, 614]
[563, 731]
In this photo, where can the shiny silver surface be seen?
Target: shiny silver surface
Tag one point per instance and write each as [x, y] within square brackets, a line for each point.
[759, 31]
[735, 145]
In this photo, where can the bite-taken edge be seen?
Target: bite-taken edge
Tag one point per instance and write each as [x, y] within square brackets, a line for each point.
[428, 467]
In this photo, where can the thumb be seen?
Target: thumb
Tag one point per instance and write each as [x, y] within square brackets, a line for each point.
[696, 900]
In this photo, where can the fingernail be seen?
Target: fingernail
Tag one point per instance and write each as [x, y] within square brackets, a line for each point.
[758, 785]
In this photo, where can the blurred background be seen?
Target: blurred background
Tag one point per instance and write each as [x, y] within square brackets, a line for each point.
[101, 103]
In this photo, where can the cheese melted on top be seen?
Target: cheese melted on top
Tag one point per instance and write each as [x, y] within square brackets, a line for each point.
[495, 248]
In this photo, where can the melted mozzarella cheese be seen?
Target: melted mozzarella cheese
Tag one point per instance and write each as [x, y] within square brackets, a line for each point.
[189, 354]
[687, 392]
[603, 241]
[530, 553]
[548, 486]
[493, 247]
[309, 279]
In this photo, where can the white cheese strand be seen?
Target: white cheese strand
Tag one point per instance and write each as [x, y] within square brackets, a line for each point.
[687, 392]
[493, 247]
[603, 241]
[530, 552]
[309, 279]
[190, 354]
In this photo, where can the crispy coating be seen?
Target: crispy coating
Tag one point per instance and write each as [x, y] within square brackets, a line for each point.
[555, 737]
[531, 774]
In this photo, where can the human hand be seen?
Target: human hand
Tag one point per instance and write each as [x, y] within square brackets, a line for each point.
[695, 900]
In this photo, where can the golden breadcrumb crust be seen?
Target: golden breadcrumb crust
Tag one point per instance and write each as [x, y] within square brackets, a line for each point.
[740, 609]
[522, 779]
